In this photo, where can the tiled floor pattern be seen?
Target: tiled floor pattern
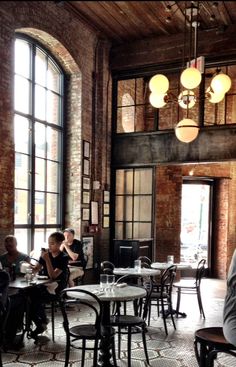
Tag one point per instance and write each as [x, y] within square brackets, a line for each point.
[174, 350]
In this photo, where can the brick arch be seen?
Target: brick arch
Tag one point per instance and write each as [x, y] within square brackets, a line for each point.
[73, 121]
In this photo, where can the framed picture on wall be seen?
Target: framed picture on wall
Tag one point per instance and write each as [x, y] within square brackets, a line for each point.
[87, 242]
[86, 183]
[86, 167]
[85, 213]
[86, 149]
[106, 208]
[106, 196]
[106, 222]
[86, 197]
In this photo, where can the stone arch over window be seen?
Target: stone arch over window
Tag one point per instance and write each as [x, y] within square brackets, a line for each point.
[73, 121]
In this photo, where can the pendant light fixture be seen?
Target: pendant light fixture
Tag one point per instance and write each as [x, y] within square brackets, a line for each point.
[187, 129]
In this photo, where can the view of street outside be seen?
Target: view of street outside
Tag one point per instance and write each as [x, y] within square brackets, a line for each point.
[194, 222]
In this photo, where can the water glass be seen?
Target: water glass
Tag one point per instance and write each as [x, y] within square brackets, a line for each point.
[170, 259]
[29, 275]
[110, 282]
[103, 282]
[137, 264]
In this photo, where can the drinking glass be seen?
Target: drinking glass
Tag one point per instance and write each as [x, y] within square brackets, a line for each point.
[110, 282]
[29, 275]
[103, 282]
[170, 259]
[137, 264]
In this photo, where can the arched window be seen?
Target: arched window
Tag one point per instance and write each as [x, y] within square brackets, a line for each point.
[38, 129]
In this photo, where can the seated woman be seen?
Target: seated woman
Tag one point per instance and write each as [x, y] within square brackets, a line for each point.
[73, 248]
[54, 264]
[229, 313]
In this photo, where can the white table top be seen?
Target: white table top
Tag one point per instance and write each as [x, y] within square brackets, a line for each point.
[143, 272]
[127, 293]
[165, 265]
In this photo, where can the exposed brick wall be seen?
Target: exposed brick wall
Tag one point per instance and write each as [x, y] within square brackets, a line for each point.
[74, 46]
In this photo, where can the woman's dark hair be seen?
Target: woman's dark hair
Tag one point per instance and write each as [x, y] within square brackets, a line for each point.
[58, 236]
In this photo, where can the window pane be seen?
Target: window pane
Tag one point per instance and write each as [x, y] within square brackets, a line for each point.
[119, 231]
[126, 88]
[21, 134]
[21, 235]
[128, 208]
[40, 102]
[142, 208]
[22, 54]
[40, 174]
[21, 171]
[40, 68]
[53, 78]
[52, 176]
[52, 143]
[128, 230]
[120, 181]
[39, 207]
[40, 241]
[40, 140]
[143, 181]
[129, 182]
[119, 208]
[53, 102]
[21, 207]
[52, 209]
[21, 98]
[142, 230]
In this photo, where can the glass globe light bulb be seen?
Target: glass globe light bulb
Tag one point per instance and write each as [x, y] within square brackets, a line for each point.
[190, 78]
[221, 83]
[157, 100]
[186, 99]
[186, 130]
[214, 97]
[159, 84]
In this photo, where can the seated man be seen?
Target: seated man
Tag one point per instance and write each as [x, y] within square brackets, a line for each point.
[73, 248]
[12, 256]
[229, 313]
[54, 263]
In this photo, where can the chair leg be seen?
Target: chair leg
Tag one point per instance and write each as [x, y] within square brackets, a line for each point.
[164, 316]
[145, 344]
[83, 352]
[119, 341]
[67, 355]
[53, 320]
[199, 298]
[129, 346]
[178, 301]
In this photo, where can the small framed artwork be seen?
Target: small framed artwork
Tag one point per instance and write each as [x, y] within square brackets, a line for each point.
[86, 149]
[86, 183]
[85, 213]
[106, 196]
[106, 222]
[86, 197]
[106, 209]
[88, 250]
[94, 212]
[86, 167]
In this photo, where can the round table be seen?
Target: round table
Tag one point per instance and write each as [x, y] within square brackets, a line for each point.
[165, 265]
[127, 293]
[142, 272]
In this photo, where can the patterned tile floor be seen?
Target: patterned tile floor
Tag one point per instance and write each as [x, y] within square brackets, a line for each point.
[174, 350]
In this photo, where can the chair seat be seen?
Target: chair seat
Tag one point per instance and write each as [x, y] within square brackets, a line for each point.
[126, 320]
[186, 283]
[213, 336]
[88, 331]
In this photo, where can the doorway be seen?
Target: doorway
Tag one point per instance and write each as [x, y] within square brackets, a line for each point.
[196, 219]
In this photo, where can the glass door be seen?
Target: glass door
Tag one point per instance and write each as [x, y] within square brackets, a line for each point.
[196, 221]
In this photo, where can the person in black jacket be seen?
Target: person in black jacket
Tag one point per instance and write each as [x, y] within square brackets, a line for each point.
[73, 248]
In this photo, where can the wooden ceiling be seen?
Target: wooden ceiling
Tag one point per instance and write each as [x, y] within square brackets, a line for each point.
[127, 21]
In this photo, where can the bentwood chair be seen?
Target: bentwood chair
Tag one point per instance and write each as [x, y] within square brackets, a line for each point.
[161, 296]
[130, 324]
[191, 286]
[78, 333]
[208, 342]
